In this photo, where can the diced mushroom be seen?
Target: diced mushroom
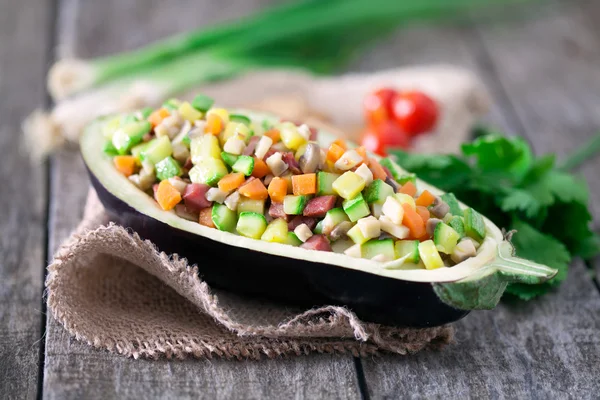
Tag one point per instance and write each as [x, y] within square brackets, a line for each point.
[393, 210]
[276, 164]
[180, 153]
[370, 227]
[267, 179]
[303, 232]
[304, 131]
[322, 158]
[235, 145]
[216, 194]
[348, 160]
[161, 130]
[182, 211]
[232, 200]
[263, 145]
[200, 123]
[440, 208]
[395, 185]
[364, 172]
[340, 230]
[398, 231]
[178, 184]
[431, 224]
[475, 242]
[376, 209]
[252, 142]
[196, 132]
[463, 250]
[309, 161]
[353, 251]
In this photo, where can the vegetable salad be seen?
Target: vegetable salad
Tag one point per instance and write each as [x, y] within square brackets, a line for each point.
[272, 181]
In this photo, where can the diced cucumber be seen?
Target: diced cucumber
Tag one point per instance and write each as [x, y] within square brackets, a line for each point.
[208, 171]
[251, 225]
[429, 255]
[409, 249]
[332, 218]
[157, 150]
[109, 149]
[450, 199]
[167, 168]
[474, 225]
[205, 146]
[405, 198]
[319, 227]
[188, 112]
[136, 151]
[229, 158]
[445, 238]
[202, 103]
[325, 183]
[240, 118]
[376, 247]
[246, 204]
[244, 164]
[223, 218]
[276, 232]
[348, 185]
[294, 205]
[171, 104]
[129, 135]
[356, 208]
[292, 239]
[377, 192]
[356, 235]
[457, 223]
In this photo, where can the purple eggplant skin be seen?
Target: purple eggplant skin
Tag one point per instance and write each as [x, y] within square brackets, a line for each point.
[291, 281]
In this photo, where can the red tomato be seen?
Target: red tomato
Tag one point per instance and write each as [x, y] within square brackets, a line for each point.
[415, 112]
[378, 105]
[386, 135]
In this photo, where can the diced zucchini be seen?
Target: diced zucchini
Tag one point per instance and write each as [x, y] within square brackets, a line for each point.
[171, 104]
[356, 235]
[325, 183]
[450, 199]
[332, 218]
[244, 164]
[229, 158]
[319, 227]
[188, 112]
[457, 223]
[205, 146]
[407, 178]
[251, 225]
[136, 151]
[223, 218]
[240, 118]
[246, 204]
[202, 103]
[376, 247]
[157, 150]
[110, 127]
[292, 239]
[356, 208]
[405, 198]
[348, 185]
[276, 232]
[409, 249]
[208, 171]
[232, 129]
[109, 149]
[291, 138]
[396, 171]
[294, 205]
[429, 255]
[474, 225]
[129, 135]
[445, 238]
[167, 168]
[377, 192]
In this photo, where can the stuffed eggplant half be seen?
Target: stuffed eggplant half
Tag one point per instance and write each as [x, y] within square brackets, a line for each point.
[276, 209]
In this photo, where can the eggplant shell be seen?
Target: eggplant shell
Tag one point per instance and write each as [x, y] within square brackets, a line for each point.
[376, 292]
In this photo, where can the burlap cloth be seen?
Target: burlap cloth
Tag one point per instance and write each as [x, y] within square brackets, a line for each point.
[115, 291]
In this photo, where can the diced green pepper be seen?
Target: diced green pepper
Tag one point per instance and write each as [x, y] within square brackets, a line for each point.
[202, 103]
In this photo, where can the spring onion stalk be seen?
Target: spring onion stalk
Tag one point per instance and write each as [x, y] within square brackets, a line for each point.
[308, 26]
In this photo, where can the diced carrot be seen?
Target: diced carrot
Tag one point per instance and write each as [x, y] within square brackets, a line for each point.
[377, 169]
[274, 134]
[408, 188]
[304, 184]
[254, 189]
[125, 164]
[425, 199]
[214, 124]
[335, 152]
[231, 181]
[423, 213]
[157, 116]
[206, 217]
[341, 143]
[261, 169]
[278, 189]
[413, 221]
[167, 196]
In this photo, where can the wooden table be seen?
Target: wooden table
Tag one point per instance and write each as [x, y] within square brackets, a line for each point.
[543, 72]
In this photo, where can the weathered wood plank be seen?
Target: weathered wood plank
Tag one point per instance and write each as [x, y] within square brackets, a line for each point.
[547, 347]
[73, 370]
[24, 26]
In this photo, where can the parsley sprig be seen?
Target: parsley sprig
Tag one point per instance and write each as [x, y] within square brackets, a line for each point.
[500, 177]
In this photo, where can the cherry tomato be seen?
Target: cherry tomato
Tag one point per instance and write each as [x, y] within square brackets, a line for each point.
[415, 112]
[378, 105]
[386, 135]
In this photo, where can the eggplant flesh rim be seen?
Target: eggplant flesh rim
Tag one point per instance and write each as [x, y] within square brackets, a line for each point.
[101, 166]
